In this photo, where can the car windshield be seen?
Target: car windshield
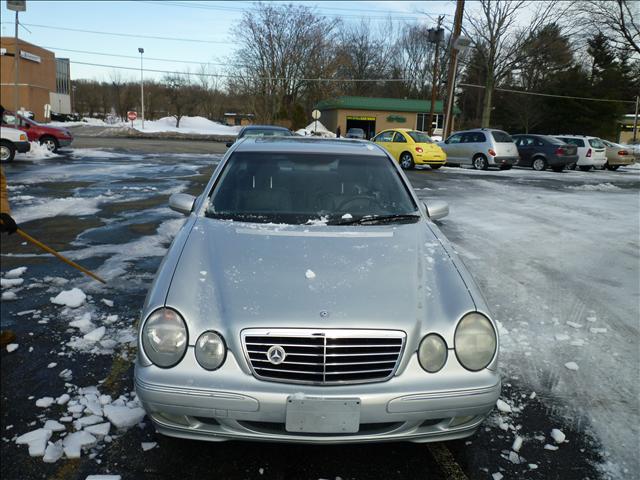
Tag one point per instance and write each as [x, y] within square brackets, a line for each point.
[297, 188]
[501, 137]
[420, 137]
[266, 132]
[596, 143]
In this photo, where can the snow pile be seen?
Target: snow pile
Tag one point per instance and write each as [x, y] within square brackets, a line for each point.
[71, 298]
[36, 152]
[46, 207]
[87, 121]
[316, 130]
[600, 187]
[194, 125]
[85, 409]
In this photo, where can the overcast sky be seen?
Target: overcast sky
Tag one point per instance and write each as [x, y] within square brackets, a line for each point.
[209, 23]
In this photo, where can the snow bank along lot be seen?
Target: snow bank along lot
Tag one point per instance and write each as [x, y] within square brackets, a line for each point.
[555, 254]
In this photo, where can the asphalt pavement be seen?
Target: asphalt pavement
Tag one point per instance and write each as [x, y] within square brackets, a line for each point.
[104, 203]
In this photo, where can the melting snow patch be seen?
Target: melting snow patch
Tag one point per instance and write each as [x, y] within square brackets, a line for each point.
[310, 274]
[571, 365]
[15, 273]
[558, 436]
[7, 296]
[574, 325]
[598, 330]
[71, 298]
[561, 337]
[503, 406]
[600, 187]
[12, 347]
[52, 364]
[148, 445]
[347, 216]
[11, 282]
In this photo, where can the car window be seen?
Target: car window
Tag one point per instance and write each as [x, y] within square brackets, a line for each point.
[295, 188]
[384, 137]
[420, 137]
[474, 137]
[574, 141]
[399, 138]
[267, 132]
[501, 137]
[538, 142]
[554, 141]
[8, 119]
[457, 138]
[596, 143]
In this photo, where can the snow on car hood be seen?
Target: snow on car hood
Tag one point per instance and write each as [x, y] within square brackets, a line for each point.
[233, 276]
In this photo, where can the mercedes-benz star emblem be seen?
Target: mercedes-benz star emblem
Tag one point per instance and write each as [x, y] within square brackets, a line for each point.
[276, 354]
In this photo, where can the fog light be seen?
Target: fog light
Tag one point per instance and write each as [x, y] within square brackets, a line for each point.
[210, 350]
[461, 420]
[432, 353]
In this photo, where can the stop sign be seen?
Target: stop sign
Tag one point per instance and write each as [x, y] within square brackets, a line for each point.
[132, 115]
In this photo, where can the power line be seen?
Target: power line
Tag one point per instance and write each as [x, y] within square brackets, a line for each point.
[129, 35]
[137, 57]
[538, 94]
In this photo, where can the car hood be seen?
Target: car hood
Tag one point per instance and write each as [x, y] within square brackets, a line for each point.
[233, 276]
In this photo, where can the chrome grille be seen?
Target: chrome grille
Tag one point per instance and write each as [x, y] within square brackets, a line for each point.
[324, 357]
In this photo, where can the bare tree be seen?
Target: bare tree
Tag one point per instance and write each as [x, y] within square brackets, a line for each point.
[618, 19]
[496, 34]
[180, 94]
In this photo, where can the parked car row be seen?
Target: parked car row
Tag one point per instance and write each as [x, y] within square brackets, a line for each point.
[51, 137]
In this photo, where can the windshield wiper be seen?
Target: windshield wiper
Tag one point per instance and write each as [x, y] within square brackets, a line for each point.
[379, 219]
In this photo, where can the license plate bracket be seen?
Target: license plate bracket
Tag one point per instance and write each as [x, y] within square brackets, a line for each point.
[322, 415]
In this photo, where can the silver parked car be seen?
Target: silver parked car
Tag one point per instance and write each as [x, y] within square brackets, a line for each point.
[310, 297]
[481, 148]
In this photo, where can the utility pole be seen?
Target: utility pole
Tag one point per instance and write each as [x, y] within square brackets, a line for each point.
[453, 68]
[141, 51]
[635, 121]
[17, 64]
[434, 80]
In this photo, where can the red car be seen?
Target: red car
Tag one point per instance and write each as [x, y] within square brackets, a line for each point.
[52, 137]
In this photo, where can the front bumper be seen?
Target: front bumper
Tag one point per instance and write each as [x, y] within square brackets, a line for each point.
[231, 404]
[22, 147]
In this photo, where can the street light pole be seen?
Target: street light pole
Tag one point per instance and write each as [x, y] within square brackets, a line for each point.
[635, 120]
[434, 80]
[141, 50]
[17, 63]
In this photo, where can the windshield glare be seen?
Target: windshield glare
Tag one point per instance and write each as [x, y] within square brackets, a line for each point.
[266, 133]
[300, 189]
[420, 137]
[501, 137]
[596, 143]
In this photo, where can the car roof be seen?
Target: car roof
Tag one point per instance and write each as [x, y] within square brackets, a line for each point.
[573, 136]
[308, 145]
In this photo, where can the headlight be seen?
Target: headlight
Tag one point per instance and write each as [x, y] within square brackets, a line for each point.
[164, 337]
[210, 350]
[475, 341]
[432, 353]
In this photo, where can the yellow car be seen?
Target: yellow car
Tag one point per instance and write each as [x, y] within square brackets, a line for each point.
[411, 148]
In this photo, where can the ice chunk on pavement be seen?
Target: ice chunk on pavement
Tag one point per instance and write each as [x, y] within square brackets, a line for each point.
[77, 440]
[561, 337]
[104, 477]
[557, 435]
[572, 365]
[148, 445]
[7, 296]
[503, 406]
[83, 323]
[105, 399]
[12, 347]
[66, 419]
[52, 364]
[37, 441]
[15, 273]
[347, 216]
[90, 420]
[550, 447]
[76, 408]
[574, 325]
[123, 417]
[517, 444]
[310, 274]
[532, 396]
[11, 282]
[95, 335]
[515, 458]
[496, 476]
[54, 426]
[533, 466]
[598, 330]
[53, 453]
[108, 303]
[100, 430]
[44, 402]
[62, 399]
[71, 298]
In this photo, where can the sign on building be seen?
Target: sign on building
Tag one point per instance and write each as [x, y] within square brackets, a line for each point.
[30, 56]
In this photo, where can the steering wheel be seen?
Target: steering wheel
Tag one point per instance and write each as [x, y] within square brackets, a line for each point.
[358, 198]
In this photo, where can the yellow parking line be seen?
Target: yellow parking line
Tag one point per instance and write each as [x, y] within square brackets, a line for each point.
[445, 460]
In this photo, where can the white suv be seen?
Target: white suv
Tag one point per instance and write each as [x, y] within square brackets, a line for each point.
[12, 141]
[591, 151]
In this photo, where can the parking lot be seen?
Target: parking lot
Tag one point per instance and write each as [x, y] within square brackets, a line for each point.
[556, 255]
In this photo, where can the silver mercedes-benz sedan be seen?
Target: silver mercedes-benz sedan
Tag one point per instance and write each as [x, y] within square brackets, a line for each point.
[310, 297]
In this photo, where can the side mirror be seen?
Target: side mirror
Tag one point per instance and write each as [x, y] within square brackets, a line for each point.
[182, 202]
[229, 144]
[437, 210]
